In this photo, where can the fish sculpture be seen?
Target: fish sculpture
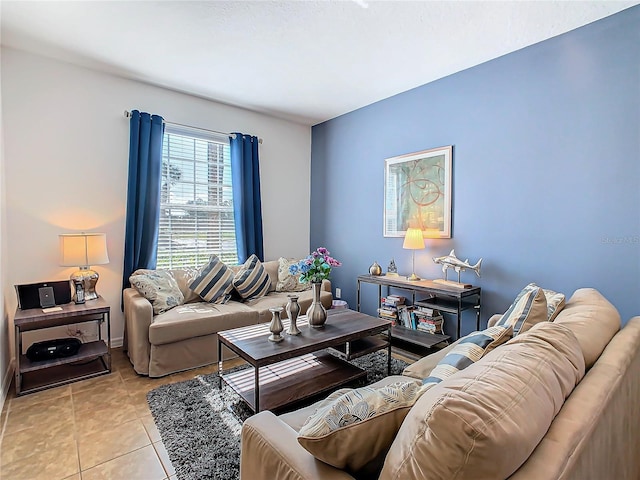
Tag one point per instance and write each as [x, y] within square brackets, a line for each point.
[451, 261]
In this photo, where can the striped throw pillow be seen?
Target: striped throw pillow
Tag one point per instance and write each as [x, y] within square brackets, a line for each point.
[214, 281]
[555, 300]
[252, 280]
[528, 310]
[469, 350]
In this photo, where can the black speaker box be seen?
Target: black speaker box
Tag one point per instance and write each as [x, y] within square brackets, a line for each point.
[60, 347]
[29, 295]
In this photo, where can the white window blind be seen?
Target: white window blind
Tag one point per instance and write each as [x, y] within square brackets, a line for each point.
[196, 200]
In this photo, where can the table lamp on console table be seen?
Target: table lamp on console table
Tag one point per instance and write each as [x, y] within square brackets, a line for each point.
[83, 250]
[413, 240]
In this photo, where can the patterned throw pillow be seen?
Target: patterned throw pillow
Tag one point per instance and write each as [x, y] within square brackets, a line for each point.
[555, 300]
[530, 309]
[352, 427]
[469, 350]
[160, 288]
[286, 281]
[252, 280]
[214, 282]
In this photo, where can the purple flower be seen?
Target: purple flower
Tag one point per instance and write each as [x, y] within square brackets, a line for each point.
[323, 251]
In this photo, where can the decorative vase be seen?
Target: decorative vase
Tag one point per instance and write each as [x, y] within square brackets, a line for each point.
[316, 314]
[375, 269]
[293, 309]
[275, 327]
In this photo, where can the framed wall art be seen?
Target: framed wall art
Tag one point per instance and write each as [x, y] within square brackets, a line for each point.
[417, 193]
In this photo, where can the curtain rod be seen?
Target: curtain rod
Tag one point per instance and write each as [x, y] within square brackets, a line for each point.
[127, 114]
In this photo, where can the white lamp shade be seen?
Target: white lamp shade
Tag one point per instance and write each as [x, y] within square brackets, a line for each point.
[83, 249]
[413, 239]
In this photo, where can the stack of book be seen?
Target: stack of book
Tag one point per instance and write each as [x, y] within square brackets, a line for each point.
[389, 307]
[427, 319]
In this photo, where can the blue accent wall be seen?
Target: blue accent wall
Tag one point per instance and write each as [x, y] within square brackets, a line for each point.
[546, 171]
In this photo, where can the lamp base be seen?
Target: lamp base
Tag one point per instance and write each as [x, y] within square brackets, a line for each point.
[413, 277]
[88, 279]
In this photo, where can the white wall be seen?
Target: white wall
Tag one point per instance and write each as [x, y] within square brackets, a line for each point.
[5, 357]
[66, 157]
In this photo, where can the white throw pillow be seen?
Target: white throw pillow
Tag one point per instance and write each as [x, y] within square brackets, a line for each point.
[160, 288]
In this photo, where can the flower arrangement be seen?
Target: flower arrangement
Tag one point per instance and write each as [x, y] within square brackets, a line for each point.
[316, 267]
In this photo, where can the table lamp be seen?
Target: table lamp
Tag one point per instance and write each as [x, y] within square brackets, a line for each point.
[413, 240]
[83, 250]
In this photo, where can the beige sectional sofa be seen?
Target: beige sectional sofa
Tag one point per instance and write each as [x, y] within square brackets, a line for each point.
[185, 336]
[516, 413]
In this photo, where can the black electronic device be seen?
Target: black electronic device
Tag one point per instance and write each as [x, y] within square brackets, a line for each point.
[57, 348]
[29, 294]
[47, 298]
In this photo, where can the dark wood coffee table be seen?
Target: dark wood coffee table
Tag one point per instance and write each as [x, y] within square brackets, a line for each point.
[294, 369]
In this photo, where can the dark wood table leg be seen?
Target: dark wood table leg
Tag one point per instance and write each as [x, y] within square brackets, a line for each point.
[219, 364]
[256, 391]
[389, 352]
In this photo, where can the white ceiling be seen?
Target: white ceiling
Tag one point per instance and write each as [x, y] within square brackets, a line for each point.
[306, 61]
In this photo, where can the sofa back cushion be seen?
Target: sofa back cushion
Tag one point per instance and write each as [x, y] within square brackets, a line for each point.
[485, 421]
[271, 267]
[592, 319]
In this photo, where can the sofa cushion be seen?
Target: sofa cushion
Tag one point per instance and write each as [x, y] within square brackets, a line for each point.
[529, 309]
[351, 427]
[592, 319]
[485, 421]
[214, 282]
[286, 281]
[160, 288]
[252, 280]
[555, 300]
[272, 270]
[469, 350]
[197, 319]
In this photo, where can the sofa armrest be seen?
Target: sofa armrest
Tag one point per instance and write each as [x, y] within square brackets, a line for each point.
[138, 316]
[270, 449]
[494, 319]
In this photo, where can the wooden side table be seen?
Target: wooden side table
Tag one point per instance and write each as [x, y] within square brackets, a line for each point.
[93, 358]
[448, 300]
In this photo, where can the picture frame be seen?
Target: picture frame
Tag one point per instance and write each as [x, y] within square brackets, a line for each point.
[417, 193]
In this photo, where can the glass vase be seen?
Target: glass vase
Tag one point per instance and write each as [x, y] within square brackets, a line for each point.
[316, 314]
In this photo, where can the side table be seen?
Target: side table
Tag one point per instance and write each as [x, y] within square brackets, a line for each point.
[93, 358]
[448, 300]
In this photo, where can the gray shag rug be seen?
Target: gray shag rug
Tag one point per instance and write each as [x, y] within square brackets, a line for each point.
[200, 424]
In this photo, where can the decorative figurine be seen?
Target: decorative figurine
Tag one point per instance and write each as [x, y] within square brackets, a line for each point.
[451, 261]
[392, 270]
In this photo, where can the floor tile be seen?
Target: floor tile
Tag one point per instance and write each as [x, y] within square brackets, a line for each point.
[40, 397]
[164, 458]
[26, 442]
[91, 420]
[107, 381]
[141, 464]
[55, 463]
[150, 427]
[54, 413]
[110, 442]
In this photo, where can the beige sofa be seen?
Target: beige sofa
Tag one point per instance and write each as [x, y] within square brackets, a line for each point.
[593, 434]
[185, 336]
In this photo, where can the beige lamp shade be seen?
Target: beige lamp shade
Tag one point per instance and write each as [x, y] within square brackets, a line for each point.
[413, 239]
[83, 249]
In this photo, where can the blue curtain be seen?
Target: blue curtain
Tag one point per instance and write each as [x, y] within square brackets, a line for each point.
[247, 206]
[143, 195]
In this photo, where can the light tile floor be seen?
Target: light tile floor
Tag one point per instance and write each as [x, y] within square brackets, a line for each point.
[94, 429]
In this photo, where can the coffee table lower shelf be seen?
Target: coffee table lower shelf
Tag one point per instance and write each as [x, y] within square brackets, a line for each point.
[291, 381]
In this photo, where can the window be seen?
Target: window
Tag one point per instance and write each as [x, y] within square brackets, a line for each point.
[196, 200]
